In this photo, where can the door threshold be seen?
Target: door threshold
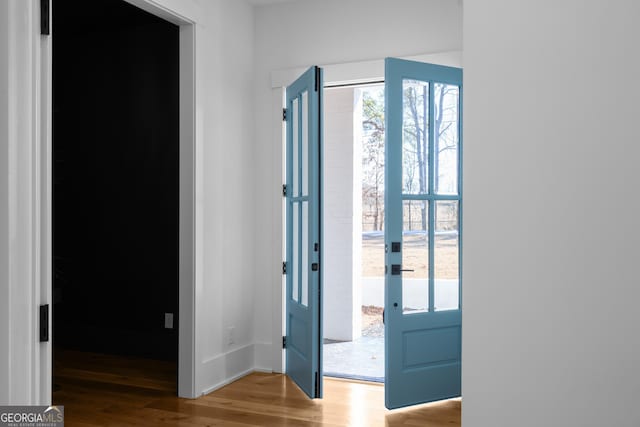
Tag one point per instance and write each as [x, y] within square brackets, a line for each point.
[354, 378]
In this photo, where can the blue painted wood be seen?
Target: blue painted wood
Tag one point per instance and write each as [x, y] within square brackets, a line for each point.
[422, 350]
[303, 322]
[432, 191]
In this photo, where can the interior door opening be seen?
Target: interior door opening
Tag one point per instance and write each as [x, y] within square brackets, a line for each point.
[353, 221]
[115, 192]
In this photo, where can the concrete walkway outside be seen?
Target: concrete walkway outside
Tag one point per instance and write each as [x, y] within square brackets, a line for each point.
[361, 359]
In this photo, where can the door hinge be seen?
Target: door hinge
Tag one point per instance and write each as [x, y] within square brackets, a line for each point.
[284, 342]
[44, 323]
[284, 190]
[284, 114]
[45, 28]
[284, 267]
[317, 79]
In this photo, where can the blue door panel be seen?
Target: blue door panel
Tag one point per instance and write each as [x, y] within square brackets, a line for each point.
[422, 346]
[444, 382]
[299, 339]
[303, 232]
[430, 347]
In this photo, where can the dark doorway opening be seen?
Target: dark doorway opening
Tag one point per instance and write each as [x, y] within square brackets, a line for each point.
[115, 183]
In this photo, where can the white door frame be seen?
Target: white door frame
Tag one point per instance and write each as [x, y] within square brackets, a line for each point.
[188, 185]
[190, 182]
[24, 89]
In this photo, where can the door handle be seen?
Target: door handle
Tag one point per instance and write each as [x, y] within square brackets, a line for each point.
[396, 269]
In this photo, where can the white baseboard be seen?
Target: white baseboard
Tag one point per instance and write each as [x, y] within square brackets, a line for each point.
[225, 368]
[226, 382]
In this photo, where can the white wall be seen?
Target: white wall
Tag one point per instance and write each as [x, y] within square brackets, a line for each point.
[4, 202]
[342, 223]
[551, 290]
[305, 33]
[224, 189]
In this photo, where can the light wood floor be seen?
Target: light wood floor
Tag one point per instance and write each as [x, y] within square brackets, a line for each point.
[99, 390]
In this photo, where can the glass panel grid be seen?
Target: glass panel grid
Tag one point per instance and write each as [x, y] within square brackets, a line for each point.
[430, 185]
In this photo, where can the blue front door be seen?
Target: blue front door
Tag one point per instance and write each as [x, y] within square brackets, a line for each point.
[423, 202]
[303, 117]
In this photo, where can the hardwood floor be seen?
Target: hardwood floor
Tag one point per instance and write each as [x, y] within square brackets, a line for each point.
[99, 390]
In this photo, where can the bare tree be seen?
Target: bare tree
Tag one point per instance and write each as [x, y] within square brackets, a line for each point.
[373, 155]
[416, 142]
[415, 145]
[416, 136]
[446, 116]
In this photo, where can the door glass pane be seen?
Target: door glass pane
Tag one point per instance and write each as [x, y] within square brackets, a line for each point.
[415, 256]
[295, 245]
[304, 266]
[295, 149]
[305, 143]
[446, 255]
[415, 137]
[446, 131]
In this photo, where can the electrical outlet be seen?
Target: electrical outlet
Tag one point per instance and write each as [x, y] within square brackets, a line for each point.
[230, 335]
[168, 320]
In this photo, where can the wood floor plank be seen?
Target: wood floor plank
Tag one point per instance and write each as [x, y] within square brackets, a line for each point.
[102, 390]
